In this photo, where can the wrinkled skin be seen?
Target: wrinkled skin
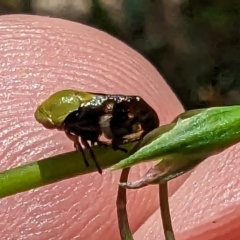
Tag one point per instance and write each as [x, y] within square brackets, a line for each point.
[40, 55]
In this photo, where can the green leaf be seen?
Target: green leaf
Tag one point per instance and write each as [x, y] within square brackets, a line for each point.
[182, 145]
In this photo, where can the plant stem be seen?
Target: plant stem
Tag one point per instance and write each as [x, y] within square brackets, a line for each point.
[165, 212]
[123, 223]
[54, 169]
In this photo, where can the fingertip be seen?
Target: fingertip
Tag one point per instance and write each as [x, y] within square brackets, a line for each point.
[39, 56]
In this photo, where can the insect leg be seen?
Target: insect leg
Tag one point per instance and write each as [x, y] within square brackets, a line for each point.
[148, 123]
[115, 145]
[121, 128]
[101, 143]
[87, 146]
[77, 146]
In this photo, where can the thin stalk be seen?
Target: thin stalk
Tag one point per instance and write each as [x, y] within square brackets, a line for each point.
[54, 169]
[165, 212]
[123, 223]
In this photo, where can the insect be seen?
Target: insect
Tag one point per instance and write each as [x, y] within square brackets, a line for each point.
[89, 116]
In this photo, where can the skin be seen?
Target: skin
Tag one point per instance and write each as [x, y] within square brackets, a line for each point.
[39, 56]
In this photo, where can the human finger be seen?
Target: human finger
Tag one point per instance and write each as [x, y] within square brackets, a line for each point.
[40, 56]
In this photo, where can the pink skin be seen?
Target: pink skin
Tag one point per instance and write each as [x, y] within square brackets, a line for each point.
[39, 56]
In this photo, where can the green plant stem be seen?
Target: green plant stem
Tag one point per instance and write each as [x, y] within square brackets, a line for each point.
[54, 169]
[123, 223]
[165, 212]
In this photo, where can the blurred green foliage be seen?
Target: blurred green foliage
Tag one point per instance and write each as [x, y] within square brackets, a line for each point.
[15, 6]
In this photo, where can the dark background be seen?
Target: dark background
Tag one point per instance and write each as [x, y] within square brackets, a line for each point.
[194, 44]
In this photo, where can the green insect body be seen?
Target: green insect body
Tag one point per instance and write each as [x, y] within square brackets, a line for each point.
[183, 144]
[52, 112]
